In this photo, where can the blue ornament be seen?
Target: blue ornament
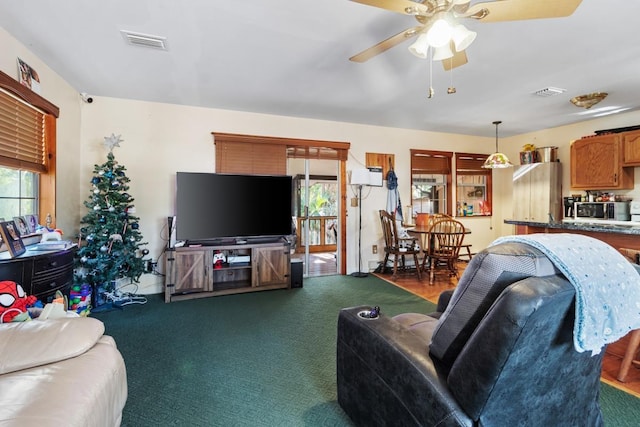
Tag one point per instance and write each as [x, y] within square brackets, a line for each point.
[135, 226]
[95, 180]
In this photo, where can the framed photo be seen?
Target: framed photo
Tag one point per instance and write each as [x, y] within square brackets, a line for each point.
[32, 223]
[28, 77]
[21, 224]
[9, 233]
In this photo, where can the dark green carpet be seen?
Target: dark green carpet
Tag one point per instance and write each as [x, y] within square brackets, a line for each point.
[259, 359]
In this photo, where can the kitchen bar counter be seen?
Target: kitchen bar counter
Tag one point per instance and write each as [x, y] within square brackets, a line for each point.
[617, 235]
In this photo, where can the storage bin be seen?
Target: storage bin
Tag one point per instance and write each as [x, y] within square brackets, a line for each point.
[547, 154]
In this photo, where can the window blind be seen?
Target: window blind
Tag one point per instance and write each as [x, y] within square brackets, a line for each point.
[22, 135]
[431, 162]
[471, 164]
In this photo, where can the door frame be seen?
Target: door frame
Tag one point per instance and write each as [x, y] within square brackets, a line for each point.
[309, 149]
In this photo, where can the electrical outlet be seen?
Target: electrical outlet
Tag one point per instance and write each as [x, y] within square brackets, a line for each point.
[374, 249]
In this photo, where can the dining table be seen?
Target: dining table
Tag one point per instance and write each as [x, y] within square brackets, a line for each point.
[425, 235]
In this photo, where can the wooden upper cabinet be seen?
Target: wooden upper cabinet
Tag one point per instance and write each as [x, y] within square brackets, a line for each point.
[596, 164]
[631, 148]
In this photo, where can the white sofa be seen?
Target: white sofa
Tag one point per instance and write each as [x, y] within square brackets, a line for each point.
[62, 372]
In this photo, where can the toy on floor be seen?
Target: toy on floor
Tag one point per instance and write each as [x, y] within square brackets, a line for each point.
[14, 302]
[56, 309]
[80, 299]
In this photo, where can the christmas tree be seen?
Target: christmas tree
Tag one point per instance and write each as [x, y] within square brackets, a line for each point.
[113, 240]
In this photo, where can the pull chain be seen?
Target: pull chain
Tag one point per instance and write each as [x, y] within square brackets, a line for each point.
[431, 91]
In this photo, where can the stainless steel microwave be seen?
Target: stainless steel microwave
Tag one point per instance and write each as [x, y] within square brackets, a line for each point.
[618, 211]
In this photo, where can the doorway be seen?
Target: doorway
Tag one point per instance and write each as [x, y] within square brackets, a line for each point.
[316, 207]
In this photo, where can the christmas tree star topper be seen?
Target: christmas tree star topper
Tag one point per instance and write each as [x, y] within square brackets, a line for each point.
[112, 141]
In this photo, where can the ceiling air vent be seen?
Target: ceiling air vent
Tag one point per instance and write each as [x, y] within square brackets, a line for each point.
[549, 91]
[145, 40]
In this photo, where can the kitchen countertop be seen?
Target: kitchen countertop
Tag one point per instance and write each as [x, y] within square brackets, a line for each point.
[600, 226]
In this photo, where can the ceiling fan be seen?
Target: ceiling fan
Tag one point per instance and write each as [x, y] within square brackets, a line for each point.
[439, 27]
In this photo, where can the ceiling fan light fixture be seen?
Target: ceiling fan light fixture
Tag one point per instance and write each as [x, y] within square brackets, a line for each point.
[462, 37]
[442, 52]
[497, 160]
[420, 47]
[589, 100]
[440, 32]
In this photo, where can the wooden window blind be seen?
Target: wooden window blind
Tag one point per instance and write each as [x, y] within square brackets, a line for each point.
[471, 164]
[22, 135]
[267, 155]
[248, 158]
[434, 162]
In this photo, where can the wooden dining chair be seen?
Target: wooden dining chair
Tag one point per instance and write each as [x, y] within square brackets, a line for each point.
[445, 237]
[426, 240]
[397, 247]
[630, 355]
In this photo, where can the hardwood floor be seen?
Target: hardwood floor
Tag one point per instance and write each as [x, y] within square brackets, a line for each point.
[320, 263]
[613, 356]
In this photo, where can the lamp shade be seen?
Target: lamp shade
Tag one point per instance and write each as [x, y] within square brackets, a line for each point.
[360, 177]
[420, 47]
[497, 161]
[462, 37]
[442, 52]
[440, 32]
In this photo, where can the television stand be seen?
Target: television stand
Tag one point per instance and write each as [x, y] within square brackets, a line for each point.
[192, 272]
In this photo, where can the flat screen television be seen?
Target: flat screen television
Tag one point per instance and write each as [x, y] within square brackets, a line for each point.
[214, 207]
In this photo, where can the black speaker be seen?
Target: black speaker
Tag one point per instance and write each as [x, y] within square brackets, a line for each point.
[296, 273]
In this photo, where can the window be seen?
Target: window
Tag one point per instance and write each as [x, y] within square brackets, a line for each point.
[18, 192]
[430, 181]
[27, 151]
[473, 185]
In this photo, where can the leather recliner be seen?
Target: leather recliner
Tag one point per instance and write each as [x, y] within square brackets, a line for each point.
[501, 354]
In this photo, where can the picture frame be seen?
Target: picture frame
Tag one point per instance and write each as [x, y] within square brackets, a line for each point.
[32, 222]
[11, 237]
[28, 77]
[21, 225]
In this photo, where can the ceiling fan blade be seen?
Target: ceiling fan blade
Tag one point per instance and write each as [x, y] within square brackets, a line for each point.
[384, 45]
[458, 59]
[516, 10]
[406, 7]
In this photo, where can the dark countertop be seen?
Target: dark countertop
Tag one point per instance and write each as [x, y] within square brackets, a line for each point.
[581, 226]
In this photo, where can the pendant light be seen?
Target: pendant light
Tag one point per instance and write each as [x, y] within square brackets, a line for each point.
[497, 160]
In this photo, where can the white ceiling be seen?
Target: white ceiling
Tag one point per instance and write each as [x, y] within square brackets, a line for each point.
[291, 58]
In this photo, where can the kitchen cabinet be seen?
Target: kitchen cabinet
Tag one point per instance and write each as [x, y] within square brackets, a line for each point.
[596, 164]
[537, 192]
[631, 148]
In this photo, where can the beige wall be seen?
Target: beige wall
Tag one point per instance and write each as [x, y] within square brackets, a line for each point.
[160, 139]
[59, 92]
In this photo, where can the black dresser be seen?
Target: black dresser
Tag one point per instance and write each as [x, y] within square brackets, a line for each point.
[41, 273]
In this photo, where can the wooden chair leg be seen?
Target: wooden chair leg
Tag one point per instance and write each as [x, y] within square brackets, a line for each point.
[384, 263]
[424, 262]
[417, 265]
[629, 355]
[432, 272]
[394, 276]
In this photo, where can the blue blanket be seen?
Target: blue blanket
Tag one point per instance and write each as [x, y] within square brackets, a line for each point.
[607, 286]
